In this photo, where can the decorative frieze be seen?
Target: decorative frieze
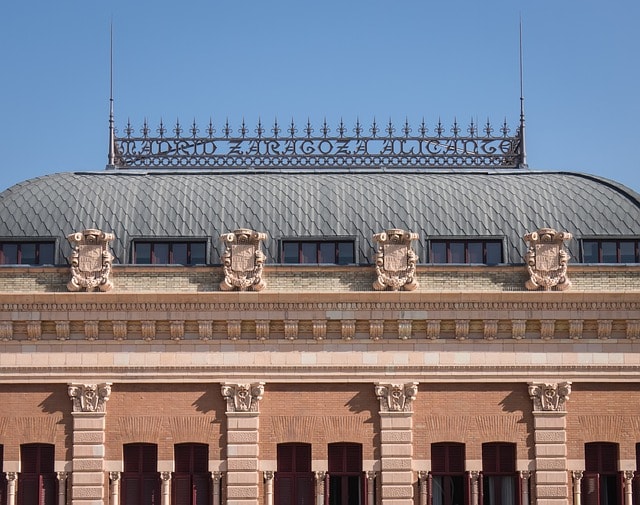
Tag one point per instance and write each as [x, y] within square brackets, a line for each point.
[176, 330]
[376, 329]
[575, 329]
[205, 330]
[148, 329]
[395, 261]
[89, 397]
[404, 329]
[243, 260]
[348, 329]
[91, 330]
[549, 397]
[90, 261]
[604, 329]
[291, 329]
[262, 329]
[62, 330]
[396, 397]
[547, 329]
[490, 329]
[6, 331]
[433, 329]
[319, 329]
[547, 259]
[234, 329]
[461, 330]
[119, 330]
[34, 330]
[243, 397]
[518, 328]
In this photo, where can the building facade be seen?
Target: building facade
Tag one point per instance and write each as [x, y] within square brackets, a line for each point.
[350, 320]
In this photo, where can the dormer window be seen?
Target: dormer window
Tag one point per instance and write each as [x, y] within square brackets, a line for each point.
[610, 251]
[336, 252]
[488, 252]
[27, 253]
[169, 253]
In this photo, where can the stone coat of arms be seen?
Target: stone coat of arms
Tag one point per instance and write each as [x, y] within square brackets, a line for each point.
[547, 259]
[243, 260]
[90, 260]
[395, 261]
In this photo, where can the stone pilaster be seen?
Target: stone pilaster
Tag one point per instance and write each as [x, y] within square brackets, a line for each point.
[12, 480]
[396, 449]
[216, 478]
[550, 439]
[242, 476]
[89, 411]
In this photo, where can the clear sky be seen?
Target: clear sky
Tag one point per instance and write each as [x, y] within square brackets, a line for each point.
[332, 58]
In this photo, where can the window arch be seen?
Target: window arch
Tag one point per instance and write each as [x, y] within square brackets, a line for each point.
[140, 479]
[37, 482]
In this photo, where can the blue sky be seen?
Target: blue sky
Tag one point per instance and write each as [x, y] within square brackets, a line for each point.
[336, 59]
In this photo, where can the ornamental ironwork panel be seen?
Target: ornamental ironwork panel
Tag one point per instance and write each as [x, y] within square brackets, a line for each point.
[375, 147]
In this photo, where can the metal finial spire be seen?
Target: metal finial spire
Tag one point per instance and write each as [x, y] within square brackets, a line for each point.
[112, 135]
[523, 149]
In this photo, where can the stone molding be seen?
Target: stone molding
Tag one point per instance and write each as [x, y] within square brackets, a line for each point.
[89, 397]
[395, 261]
[243, 260]
[547, 259]
[396, 397]
[243, 397]
[549, 397]
[91, 261]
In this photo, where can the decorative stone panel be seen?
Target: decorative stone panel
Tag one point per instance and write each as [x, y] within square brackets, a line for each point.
[396, 397]
[243, 260]
[348, 329]
[518, 328]
[291, 329]
[6, 331]
[433, 329]
[262, 329]
[395, 261]
[319, 329]
[89, 397]
[91, 261]
[547, 259]
[243, 397]
[404, 329]
[549, 397]
[490, 329]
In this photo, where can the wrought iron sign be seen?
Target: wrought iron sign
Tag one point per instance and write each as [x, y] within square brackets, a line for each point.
[373, 147]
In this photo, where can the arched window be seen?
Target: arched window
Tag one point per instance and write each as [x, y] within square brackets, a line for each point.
[190, 483]
[37, 482]
[294, 479]
[449, 483]
[140, 479]
[500, 482]
[601, 482]
[346, 479]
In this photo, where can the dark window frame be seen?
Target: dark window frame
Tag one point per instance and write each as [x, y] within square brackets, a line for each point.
[499, 463]
[602, 478]
[41, 483]
[347, 483]
[448, 473]
[140, 481]
[599, 241]
[191, 480]
[466, 241]
[170, 244]
[294, 479]
[38, 243]
[318, 242]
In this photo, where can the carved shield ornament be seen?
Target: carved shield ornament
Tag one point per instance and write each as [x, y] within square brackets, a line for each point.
[91, 261]
[547, 259]
[243, 260]
[395, 261]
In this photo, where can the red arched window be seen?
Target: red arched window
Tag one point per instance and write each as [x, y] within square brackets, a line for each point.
[500, 482]
[601, 482]
[190, 483]
[294, 479]
[140, 479]
[37, 482]
[346, 479]
[449, 482]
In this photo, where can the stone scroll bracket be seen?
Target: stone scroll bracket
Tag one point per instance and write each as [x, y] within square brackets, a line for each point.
[89, 397]
[243, 260]
[396, 397]
[395, 261]
[243, 397]
[549, 397]
[547, 259]
[91, 261]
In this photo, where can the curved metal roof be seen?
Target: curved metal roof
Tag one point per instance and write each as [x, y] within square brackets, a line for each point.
[462, 204]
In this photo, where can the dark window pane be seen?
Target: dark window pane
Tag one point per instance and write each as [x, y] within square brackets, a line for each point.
[179, 253]
[290, 252]
[346, 254]
[456, 250]
[438, 252]
[198, 253]
[309, 252]
[590, 251]
[494, 253]
[10, 253]
[475, 252]
[609, 252]
[143, 253]
[46, 253]
[627, 252]
[28, 254]
[327, 252]
[160, 254]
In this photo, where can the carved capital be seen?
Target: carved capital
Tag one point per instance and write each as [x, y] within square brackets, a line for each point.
[114, 476]
[12, 476]
[62, 476]
[395, 261]
[549, 397]
[396, 397]
[547, 259]
[165, 476]
[628, 476]
[320, 477]
[90, 260]
[268, 475]
[577, 475]
[243, 260]
[243, 397]
[89, 397]
[216, 476]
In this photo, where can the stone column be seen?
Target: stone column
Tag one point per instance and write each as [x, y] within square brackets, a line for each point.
[524, 478]
[396, 451]
[165, 479]
[12, 480]
[89, 412]
[320, 482]
[371, 482]
[628, 487]
[475, 490]
[215, 481]
[577, 486]
[550, 439]
[114, 488]
[242, 442]
[423, 478]
[62, 487]
[268, 487]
